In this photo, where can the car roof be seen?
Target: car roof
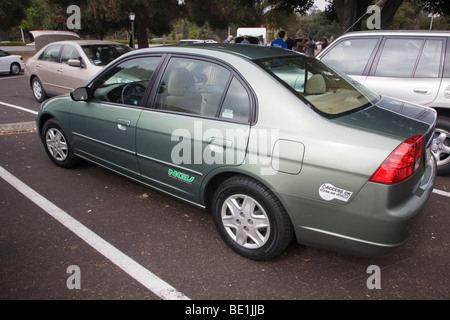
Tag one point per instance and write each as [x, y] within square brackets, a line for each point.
[399, 33]
[251, 52]
[85, 42]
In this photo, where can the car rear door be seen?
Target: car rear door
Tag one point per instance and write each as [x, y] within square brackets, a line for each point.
[408, 68]
[198, 121]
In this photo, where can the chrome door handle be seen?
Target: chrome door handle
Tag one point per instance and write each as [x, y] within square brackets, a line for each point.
[219, 142]
[122, 124]
[422, 90]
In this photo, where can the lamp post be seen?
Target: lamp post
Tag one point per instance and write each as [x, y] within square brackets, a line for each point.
[132, 16]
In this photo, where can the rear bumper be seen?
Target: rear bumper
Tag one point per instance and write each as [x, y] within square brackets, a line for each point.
[379, 219]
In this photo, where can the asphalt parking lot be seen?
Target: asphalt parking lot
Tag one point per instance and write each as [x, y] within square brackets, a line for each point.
[86, 233]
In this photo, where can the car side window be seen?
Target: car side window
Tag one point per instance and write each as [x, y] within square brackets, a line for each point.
[430, 60]
[51, 53]
[236, 105]
[351, 56]
[192, 86]
[126, 83]
[398, 58]
[68, 53]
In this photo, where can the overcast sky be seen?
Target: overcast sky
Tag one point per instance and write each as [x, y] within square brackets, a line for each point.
[320, 4]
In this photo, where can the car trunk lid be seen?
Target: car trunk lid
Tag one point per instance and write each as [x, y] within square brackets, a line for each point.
[393, 118]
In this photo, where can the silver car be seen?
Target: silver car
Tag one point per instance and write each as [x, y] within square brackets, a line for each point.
[412, 66]
[61, 66]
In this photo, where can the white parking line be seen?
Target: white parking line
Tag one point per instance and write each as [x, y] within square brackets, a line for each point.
[17, 107]
[442, 193]
[134, 269]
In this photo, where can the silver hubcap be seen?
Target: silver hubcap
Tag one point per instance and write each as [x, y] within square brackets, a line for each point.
[56, 144]
[441, 147]
[37, 90]
[245, 221]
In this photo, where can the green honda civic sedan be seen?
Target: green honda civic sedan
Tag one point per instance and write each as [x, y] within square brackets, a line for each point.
[275, 144]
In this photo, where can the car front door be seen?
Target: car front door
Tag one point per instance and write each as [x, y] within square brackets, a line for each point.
[69, 77]
[199, 121]
[104, 128]
[352, 56]
[47, 66]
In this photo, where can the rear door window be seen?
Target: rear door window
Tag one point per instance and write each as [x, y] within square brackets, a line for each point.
[398, 58]
[430, 60]
[410, 57]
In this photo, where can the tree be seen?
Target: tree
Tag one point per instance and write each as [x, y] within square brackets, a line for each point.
[12, 12]
[153, 15]
[349, 13]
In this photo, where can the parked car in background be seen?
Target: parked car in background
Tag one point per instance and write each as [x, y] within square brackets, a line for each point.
[274, 143]
[191, 41]
[10, 63]
[61, 66]
[412, 66]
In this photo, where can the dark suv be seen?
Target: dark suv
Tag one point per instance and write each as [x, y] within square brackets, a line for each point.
[407, 65]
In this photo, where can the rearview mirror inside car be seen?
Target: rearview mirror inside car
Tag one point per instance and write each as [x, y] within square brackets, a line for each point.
[79, 94]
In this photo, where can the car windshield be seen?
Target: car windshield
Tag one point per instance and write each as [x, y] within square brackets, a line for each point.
[102, 54]
[329, 92]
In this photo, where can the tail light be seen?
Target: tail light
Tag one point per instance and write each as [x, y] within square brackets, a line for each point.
[401, 163]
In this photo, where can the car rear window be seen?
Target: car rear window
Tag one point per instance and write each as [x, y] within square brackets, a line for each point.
[101, 55]
[329, 92]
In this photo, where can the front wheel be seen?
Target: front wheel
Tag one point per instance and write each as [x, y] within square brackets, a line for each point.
[250, 219]
[57, 146]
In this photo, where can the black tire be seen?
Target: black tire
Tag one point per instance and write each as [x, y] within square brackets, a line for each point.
[38, 90]
[57, 146]
[260, 228]
[14, 69]
[441, 145]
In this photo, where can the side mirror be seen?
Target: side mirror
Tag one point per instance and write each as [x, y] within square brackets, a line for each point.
[74, 63]
[80, 94]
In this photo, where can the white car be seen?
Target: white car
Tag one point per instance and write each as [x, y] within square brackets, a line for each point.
[10, 63]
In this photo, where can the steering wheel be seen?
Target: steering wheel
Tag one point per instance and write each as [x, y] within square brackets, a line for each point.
[132, 93]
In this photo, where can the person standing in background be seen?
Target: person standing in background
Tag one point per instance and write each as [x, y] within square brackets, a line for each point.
[290, 41]
[312, 47]
[279, 43]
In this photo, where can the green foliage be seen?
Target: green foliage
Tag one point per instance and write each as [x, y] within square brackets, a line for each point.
[205, 19]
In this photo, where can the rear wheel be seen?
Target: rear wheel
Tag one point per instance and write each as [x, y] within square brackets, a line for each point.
[441, 145]
[14, 69]
[250, 219]
[57, 146]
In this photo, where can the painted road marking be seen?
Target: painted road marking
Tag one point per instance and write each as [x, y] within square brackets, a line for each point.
[17, 107]
[134, 269]
[442, 193]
